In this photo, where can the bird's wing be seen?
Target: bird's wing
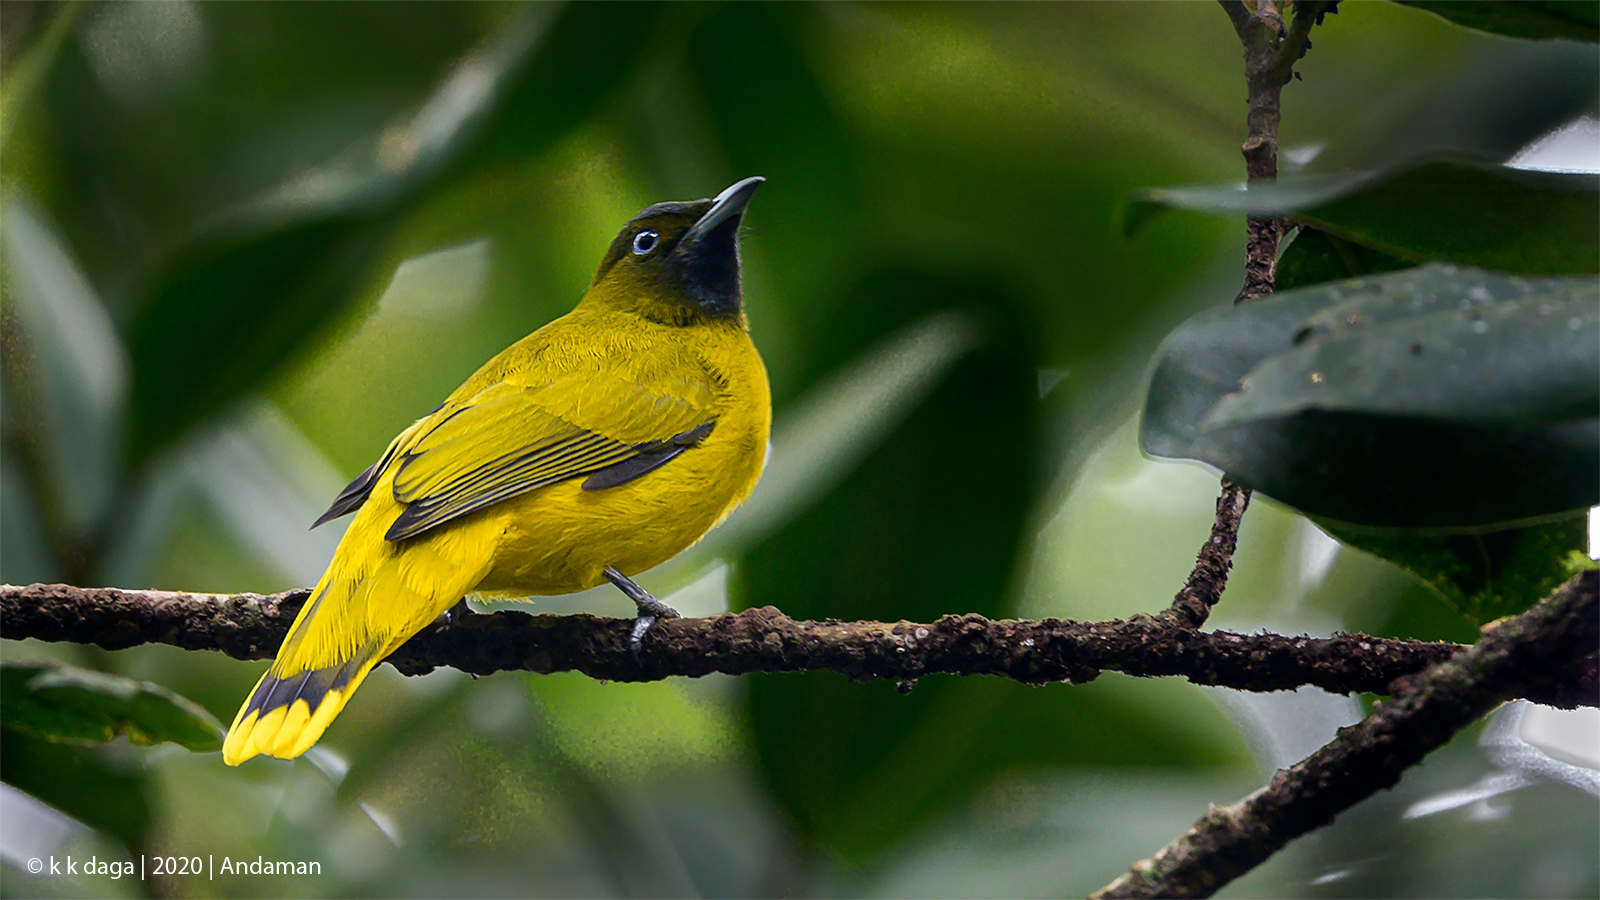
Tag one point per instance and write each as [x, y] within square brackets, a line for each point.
[356, 492]
[611, 420]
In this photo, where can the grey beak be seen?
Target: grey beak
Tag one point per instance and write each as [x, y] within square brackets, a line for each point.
[728, 204]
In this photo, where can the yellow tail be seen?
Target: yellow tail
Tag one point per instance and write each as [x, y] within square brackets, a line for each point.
[327, 653]
[371, 599]
[286, 714]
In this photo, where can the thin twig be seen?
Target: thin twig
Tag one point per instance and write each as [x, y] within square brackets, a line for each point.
[1298, 41]
[1513, 658]
[1238, 14]
[250, 626]
[1270, 52]
[1205, 583]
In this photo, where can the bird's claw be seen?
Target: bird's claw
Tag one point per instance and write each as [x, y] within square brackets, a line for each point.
[650, 609]
[636, 637]
[649, 613]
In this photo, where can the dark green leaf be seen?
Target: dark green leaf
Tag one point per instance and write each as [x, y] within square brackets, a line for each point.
[1357, 403]
[1487, 575]
[225, 315]
[67, 704]
[776, 119]
[928, 523]
[232, 307]
[1497, 217]
[1282, 196]
[1577, 20]
[1501, 359]
[84, 781]
[583, 57]
[292, 102]
[1313, 257]
[1485, 106]
[1420, 613]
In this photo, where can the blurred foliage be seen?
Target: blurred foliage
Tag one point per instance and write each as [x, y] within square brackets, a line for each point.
[1574, 19]
[62, 703]
[1499, 217]
[1313, 257]
[244, 244]
[1488, 575]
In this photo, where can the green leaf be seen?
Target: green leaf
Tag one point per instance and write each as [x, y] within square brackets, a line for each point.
[61, 703]
[803, 146]
[929, 522]
[85, 781]
[1487, 575]
[1280, 197]
[1509, 95]
[1313, 257]
[1577, 20]
[238, 302]
[247, 292]
[1468, 212]
[1435, 397]
[1501, 359]
[226, 314]
[583, 57]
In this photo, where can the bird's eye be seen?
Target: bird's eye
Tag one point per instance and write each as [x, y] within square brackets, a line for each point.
[644, 242]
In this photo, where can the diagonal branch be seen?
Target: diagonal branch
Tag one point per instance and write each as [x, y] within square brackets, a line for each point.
[250, 626]
[1513, 658]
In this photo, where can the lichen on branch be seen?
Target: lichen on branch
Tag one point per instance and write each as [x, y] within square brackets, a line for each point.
[250, 626]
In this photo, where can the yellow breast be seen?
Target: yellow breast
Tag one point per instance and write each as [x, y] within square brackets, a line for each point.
[559, 539]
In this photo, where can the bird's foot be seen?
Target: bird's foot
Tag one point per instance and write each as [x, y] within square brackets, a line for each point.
[650, 609]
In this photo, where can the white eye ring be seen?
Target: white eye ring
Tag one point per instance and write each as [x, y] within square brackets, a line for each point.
[644, 242]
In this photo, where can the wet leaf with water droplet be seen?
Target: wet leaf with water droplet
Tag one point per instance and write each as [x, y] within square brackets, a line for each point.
[1436, 397]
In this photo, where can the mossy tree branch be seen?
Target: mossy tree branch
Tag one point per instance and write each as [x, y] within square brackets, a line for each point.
[250, 626]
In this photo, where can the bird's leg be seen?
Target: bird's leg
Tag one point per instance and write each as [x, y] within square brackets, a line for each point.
[650, 609]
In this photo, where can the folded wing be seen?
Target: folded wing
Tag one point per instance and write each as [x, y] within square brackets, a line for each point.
[613, 423]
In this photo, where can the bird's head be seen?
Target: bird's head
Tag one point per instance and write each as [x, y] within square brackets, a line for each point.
[678, 262]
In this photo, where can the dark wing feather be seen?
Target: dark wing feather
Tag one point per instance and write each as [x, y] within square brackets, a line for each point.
[650, 457]
[356, 492]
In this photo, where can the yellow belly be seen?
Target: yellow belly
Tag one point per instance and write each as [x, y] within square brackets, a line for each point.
[559, 539]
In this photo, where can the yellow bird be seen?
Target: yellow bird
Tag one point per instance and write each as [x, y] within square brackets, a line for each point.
[597, 447]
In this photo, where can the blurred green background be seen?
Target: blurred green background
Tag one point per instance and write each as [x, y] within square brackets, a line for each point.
[244, 244]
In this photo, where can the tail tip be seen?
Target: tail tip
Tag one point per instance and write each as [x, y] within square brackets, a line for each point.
[285, 716]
